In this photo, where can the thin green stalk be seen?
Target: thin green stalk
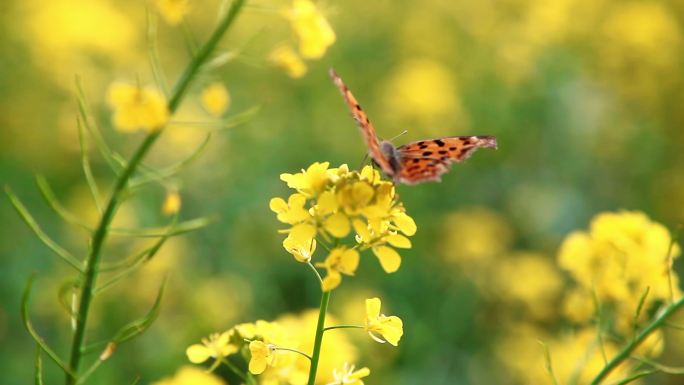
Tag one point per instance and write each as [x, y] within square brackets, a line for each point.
[318, 340]
[638, 339]
[294, 351]
[93, 259]
[233, 368]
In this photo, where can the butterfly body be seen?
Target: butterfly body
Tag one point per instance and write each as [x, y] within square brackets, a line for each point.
[416, 162]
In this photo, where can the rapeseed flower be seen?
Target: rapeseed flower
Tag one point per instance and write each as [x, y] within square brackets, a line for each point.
[312, 29]
[380, 327]
[187, 375]
[262, 356]
[349, 376]
[216, 346]
[330, 203]
[286, 58]
[172, 203]
[619, 258]
[137, 108]
[173, 11]
[340, 261]
[215, 99]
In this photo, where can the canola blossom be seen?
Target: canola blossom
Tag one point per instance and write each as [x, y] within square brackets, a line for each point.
[215, 99]
[623, 257]
[380, 327]
[137, 108]
[332, 204]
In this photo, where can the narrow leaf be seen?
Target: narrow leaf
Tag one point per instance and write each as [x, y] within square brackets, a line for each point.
[85, 165]
[548, 365]
[636, 376]
[139, 326]
[153, 52]
[51, 199]
[26, 297]
[181, 228]
[639, 308]
[33, 225]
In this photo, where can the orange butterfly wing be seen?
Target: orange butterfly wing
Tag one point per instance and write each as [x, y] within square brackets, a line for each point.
[427, 160]
[364, 125]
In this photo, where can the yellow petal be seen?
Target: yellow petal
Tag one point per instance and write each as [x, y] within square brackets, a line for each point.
[349, 261]
[392, 329]
[277, 205]
[337, 225]
[389, 258]
[373, 308]
[302, 233]
[361, 229]
[259, 352]
[327, 203]
[398, 240]
[363, 372]
[405, 224]
[198, 353]
[331, 281]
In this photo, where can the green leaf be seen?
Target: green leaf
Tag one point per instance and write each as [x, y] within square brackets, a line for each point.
[33, 225]
[548, 365]
[25, 300]
[181, 228]
[85, 165]
[151, 252]
[153, 52]
[139, 326]
[51, 199]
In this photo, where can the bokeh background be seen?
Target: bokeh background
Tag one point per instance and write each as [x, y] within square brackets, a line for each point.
[584, 96]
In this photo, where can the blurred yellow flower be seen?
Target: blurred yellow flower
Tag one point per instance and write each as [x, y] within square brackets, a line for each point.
[311, 28]
[190, 375]
[262, 356]
[286, 58]
[341, 260]
[216, 346]
[474, 236]
[215, 99]
[531, 280]
[292, 211]
[423, 92]
[348, 376]
[172, 203]
[137, 108]
[380, 327]
[173, 11]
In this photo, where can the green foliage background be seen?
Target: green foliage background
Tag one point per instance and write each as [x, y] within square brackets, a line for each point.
[588, 118]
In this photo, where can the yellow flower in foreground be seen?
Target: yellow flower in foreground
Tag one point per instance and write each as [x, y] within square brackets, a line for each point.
[309, 182]
[190, 375]
[389, 328]
[348, 376]
[312, 29]
[263, 355]
[137, 108]
[340, 261]
[215, 99]
[172, 203]
[302, 251]
[173, 11]
[286, 58]
[216, 346]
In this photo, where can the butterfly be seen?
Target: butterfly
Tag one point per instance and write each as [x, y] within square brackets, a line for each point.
[416, 162]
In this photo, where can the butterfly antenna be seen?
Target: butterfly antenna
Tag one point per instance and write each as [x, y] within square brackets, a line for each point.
[398, 135]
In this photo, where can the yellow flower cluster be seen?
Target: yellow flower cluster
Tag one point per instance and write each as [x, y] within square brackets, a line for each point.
[188, 375]
[314, 35]
[622, 257]
[330, 204]
[137, 108]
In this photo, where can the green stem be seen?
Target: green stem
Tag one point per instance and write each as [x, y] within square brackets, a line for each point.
[638, 339]
[343, 327]
[93, 259]
[294, 351]
[318, 340]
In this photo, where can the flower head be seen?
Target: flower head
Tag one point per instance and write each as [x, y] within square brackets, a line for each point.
[216, 346]
[137, 108]
[173, 11]
[381, 327]
[329, 204]
[262, 356]
[191, 375]
[349, 376]
[215, 99]
[286, 58]
[172, 203]
[311, 28]
[340, 261]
